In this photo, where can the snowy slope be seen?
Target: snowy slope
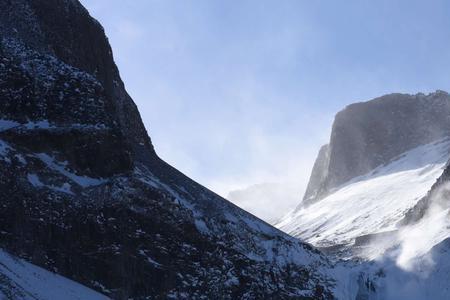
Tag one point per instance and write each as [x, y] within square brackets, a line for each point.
[371, 203]
[22, 280]
[385, 279]
[414, 265]
[428, 279]
[411, 263]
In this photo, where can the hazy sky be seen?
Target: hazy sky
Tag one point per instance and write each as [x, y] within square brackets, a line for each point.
[235, 93]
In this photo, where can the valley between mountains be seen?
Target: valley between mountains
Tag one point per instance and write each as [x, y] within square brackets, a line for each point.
[88, 210]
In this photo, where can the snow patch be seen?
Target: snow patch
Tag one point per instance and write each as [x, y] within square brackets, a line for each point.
[201, 226]
[44, 124]
[149, 259]
[7, 124]
[4, 149]
[61, 167]
[34, 180]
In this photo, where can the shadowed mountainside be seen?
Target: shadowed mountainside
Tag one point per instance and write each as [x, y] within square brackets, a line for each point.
[83, 193]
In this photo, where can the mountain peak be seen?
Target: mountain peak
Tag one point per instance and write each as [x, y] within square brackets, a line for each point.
[369, 134]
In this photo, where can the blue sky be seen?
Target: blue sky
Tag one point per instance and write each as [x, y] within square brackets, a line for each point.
[235, 93]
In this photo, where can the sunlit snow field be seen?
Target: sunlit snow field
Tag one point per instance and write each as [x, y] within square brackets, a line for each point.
[372, 203]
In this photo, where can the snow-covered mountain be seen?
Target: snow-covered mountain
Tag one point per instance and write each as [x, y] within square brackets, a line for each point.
[383, 157]
[368, 134]
[83, 193]
[409, 263]
[371, 203]
[383, 217]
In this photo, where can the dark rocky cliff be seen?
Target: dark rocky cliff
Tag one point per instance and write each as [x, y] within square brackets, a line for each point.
[83, 193]
[368, 134]
[318, 176]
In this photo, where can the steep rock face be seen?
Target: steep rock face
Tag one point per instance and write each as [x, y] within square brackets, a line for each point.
[64, 30]
[82, 192]
[318, 176]
[369, 134]
[49, 106]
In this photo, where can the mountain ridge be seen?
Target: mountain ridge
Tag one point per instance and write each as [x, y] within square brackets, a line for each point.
[368, 134]
[373, 203]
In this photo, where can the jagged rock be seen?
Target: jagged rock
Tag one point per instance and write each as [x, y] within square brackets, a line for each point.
[318, 176]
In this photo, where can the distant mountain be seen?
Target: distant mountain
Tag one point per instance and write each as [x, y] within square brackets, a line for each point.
[383, 157]
[379, 198]
[369, 134]
[371, 203]
[83, 193]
